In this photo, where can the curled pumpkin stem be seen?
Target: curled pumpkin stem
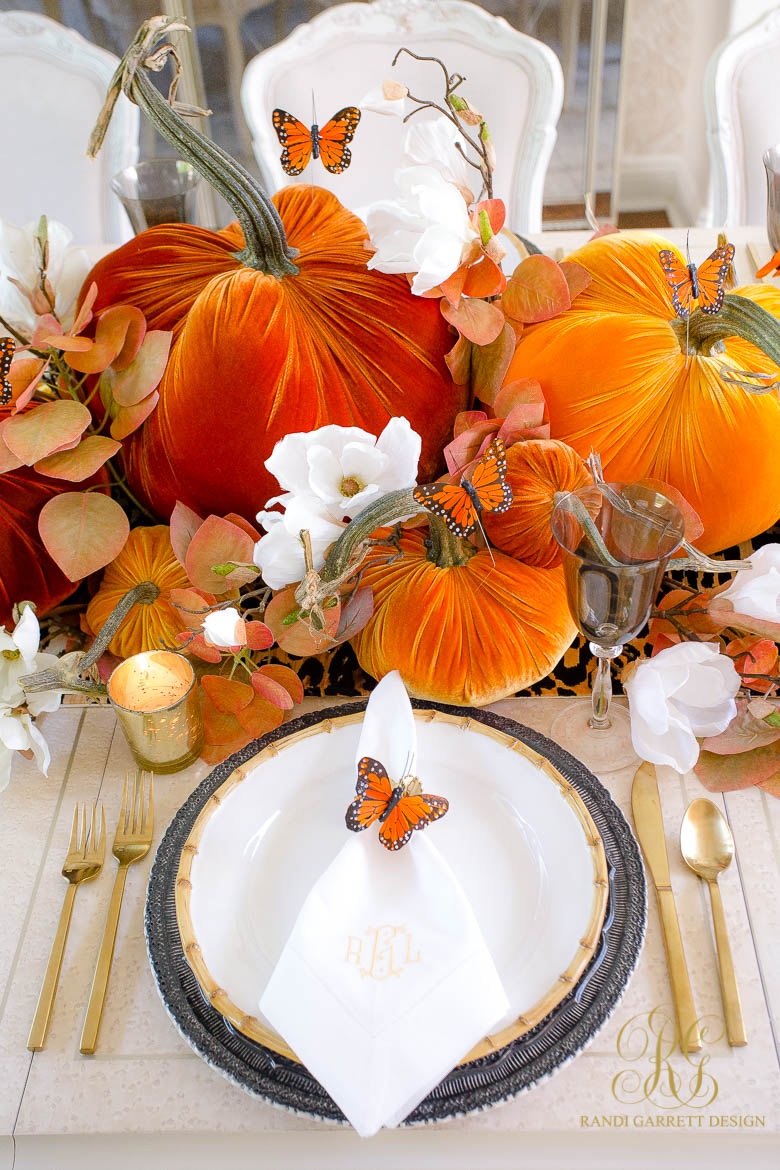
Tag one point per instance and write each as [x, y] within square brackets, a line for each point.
[739, 317]
[266, 248]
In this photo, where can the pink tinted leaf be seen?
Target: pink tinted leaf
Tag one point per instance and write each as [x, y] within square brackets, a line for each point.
[113, 326]
[134, 381]
[184, 524]
[80, 462]
[294, 635]
[272, 691]
[467, 419]
[199, 647]
[46, 428]
[722, 611]
[496, 212]
[84, 315]
[521, 392]
[286, 678]
[746, 731]
[730, 773]
[240, 522]
[477, 320]
[259, 717]
[537, 290]
[82, 531]
[577, 277]
[466, 447]
[354, 614]
[258, 636]
[452, 287]
[216, 542]
[130, 418]
[8, 461]
[489, 364]
[484, 279]
[753, 655]
[693, 523]
[24, 376]
[522, 423]
[459, 361]
[228, 695]
[133, 343]
[191, 606]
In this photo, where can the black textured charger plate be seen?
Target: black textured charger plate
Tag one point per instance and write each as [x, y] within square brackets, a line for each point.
[469, 1087]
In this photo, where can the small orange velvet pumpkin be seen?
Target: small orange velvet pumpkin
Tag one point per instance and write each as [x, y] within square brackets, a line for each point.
[616, 379]
[536, 470]
[147, 556]
[463, 633]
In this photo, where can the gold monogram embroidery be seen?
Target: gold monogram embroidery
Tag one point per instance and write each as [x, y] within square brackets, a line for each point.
[382, 951]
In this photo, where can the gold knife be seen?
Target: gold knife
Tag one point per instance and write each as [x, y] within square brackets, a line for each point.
[648, 821]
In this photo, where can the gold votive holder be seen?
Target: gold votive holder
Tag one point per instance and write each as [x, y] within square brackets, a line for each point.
[157, 706]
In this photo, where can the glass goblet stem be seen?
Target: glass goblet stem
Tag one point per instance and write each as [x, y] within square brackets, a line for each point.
[602, 686]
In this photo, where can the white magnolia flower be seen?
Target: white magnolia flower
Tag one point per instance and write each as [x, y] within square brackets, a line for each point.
[345, 468]
[19, 656]
[20, 258]
[389, 98]
[427, 230]
[224, 628]
[756, 592]
[279, 554]
[435, 144]
[685, 691]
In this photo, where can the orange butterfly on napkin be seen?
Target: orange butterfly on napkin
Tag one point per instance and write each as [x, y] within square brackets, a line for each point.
[329, 142]
[399, 809]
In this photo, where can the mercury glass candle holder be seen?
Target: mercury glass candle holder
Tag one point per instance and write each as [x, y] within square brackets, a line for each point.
[157, 706]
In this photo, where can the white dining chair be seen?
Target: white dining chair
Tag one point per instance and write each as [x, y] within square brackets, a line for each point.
[742, 103]
[345, 51]
[52, 85]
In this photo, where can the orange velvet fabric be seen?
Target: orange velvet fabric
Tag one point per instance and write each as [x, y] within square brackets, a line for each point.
[467, 634]
[616, 380]
[255, 358]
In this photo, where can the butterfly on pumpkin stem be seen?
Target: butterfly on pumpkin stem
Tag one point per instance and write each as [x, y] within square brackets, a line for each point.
[329, 142]
[689, 283]
[485, 490]
[399, 808]
[7, 347]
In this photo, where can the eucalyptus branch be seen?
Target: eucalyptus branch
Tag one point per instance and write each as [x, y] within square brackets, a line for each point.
[16, 335]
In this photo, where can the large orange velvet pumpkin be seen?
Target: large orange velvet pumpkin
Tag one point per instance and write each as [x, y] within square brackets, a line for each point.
[256, 357]
[616, 379]
[463, 633]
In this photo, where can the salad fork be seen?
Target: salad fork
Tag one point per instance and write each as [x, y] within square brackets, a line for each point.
[83, 862]
[132, 841]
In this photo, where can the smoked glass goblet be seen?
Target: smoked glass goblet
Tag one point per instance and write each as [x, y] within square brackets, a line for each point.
[615, 541]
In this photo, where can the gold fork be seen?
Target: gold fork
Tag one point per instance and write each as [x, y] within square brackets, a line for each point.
[83, 862]
[131, 842]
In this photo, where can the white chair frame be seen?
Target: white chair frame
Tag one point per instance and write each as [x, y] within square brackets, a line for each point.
[730, 169]
[45, 39]
[418, 24]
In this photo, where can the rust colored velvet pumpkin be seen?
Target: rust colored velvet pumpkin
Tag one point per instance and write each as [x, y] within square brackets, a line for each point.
[464, 634]
[147, 556]
[536, 470]
[256, 357]
[27, 572]
[616, 379]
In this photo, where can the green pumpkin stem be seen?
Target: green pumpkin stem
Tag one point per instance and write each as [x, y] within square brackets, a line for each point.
[445, 549]
[266, 247]
[739, 317]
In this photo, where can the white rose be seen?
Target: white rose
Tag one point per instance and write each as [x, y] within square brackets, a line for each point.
[686, 691]
[224, 628]
[279, 554]
[19, 656]
[755, 592]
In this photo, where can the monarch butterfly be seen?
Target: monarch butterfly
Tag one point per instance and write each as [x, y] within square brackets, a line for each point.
[328, 143]
[7, 347]
[459, 505]
[400, 808]
[689, 283]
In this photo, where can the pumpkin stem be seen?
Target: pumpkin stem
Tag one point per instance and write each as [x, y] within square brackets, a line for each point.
[382, 513]
[266, 248]
[739, 317]
[444, 548]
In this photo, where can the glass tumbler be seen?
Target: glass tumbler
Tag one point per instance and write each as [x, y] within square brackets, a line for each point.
[772, 166]
[160, 190]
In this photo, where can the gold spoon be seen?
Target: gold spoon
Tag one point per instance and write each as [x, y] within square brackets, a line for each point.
[708, 847]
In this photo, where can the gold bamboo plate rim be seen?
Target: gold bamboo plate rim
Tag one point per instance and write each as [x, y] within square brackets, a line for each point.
[253, 1028]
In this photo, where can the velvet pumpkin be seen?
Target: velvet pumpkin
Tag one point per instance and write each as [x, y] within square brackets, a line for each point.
[147, 556]
[536, 470]
[616, 379]
[279, 327]
[466, 633]
[27, 572]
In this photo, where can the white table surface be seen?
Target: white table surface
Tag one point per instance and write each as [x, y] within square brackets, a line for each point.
[146, 1095]
[147, 1099]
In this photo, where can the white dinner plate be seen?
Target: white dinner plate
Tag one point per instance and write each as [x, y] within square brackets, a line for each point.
[518, 836]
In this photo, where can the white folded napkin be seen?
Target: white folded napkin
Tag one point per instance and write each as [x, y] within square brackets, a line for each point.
[385, 982]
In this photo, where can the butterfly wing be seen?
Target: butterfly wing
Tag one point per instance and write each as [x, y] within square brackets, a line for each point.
[296, 141]
[411, 812]
[334, 137]
[451, 502]
[711, 278]
[7, 347]
[373, 790]
[488, 479]
[679, 280]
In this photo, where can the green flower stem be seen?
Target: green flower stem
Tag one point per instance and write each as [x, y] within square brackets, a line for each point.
[266, 248]
[739, 317]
